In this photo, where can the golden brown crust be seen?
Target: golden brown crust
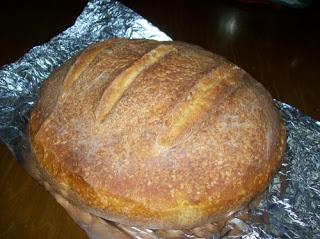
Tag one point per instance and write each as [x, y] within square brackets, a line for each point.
[121, 83]
[170, 140]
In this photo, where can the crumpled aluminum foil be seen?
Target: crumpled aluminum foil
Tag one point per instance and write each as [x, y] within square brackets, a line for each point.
[291, 205]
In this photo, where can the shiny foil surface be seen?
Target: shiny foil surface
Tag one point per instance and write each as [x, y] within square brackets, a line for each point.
[290, 208]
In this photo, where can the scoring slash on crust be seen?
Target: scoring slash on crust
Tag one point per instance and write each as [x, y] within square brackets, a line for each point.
[209, 91]
[84, 61]
[122, 82]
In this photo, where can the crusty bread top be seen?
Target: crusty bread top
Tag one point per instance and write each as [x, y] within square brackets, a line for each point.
[156, 134]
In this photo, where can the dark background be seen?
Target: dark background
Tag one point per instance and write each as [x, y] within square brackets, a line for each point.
[278, 46]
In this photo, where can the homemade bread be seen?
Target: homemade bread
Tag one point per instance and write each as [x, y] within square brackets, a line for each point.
[155, 134]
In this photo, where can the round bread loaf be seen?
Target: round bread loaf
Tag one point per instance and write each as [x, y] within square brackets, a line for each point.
[155, 134]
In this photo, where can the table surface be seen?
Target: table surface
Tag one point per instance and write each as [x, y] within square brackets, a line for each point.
[279, 47]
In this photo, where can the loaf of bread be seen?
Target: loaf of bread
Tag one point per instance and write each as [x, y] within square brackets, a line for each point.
[155, 134]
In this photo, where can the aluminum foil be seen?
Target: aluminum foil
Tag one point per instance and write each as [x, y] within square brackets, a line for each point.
[289, 209]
